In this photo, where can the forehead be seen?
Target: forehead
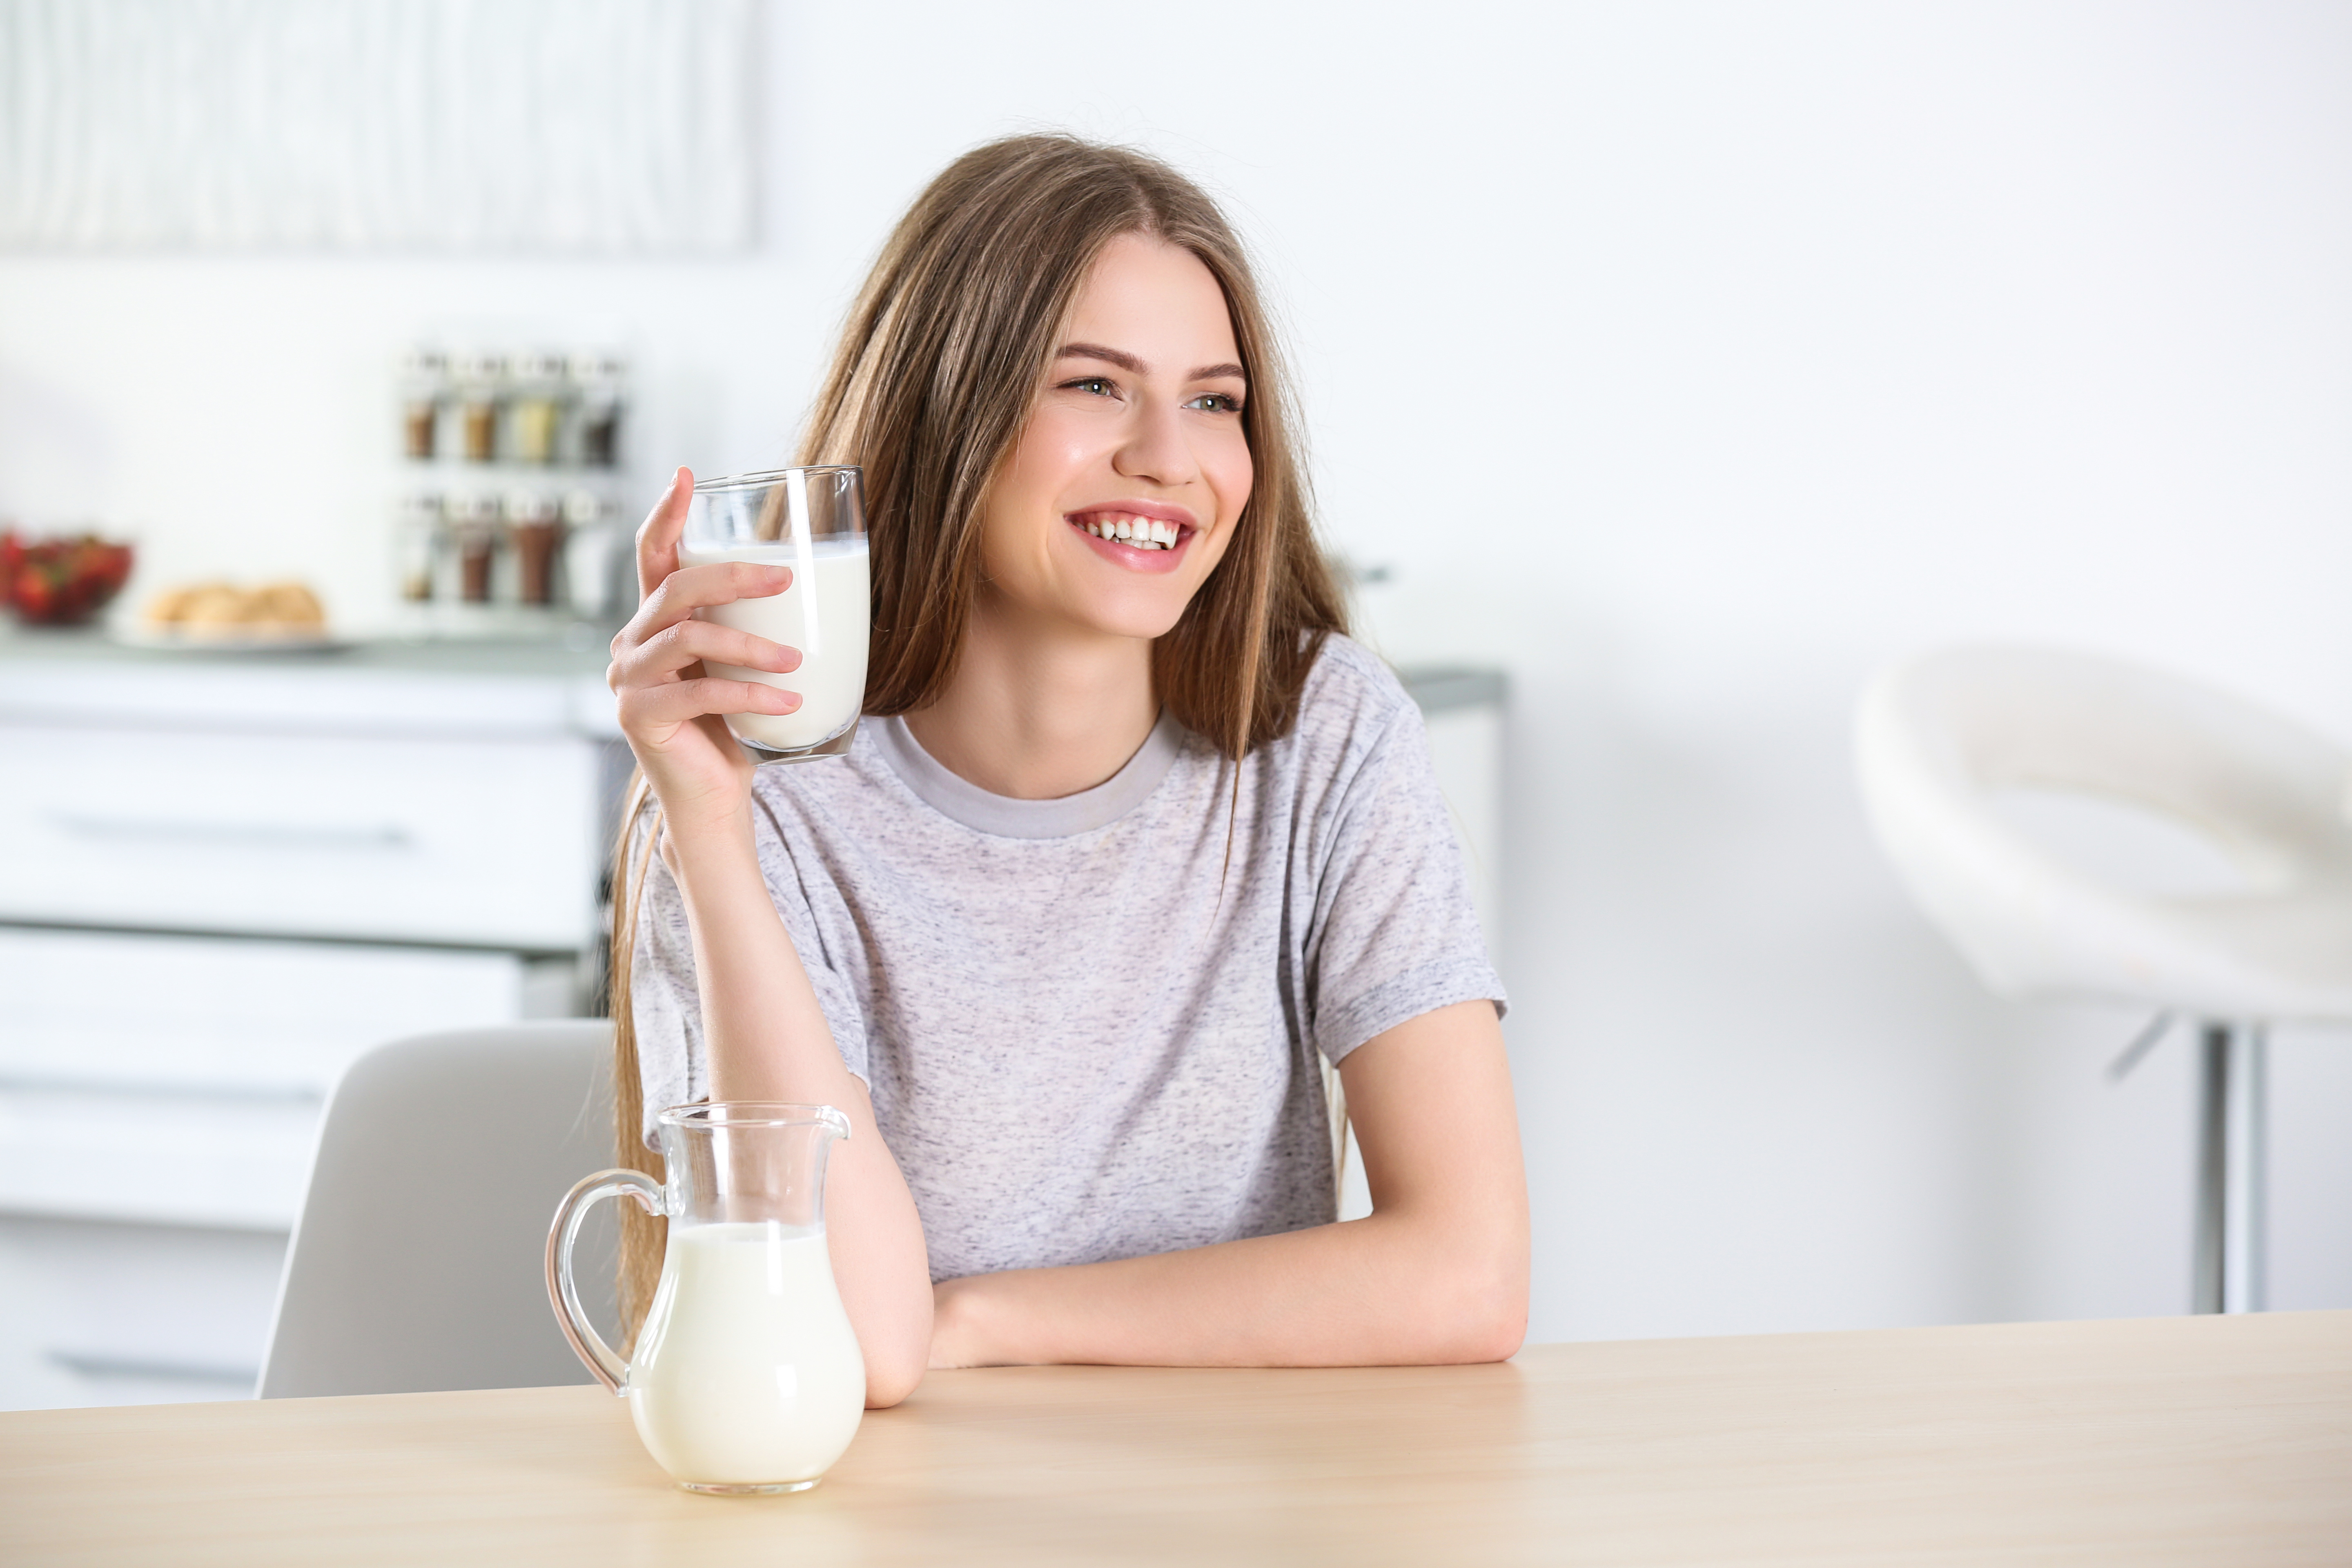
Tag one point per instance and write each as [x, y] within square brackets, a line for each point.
[1144, 294]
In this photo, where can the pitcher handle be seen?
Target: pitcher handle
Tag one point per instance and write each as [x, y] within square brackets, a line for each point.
[564, 1291]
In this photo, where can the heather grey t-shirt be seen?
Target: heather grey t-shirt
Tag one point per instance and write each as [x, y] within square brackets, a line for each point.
[1086, 1036]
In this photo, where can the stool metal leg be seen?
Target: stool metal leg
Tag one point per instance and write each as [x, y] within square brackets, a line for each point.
[2244, 1262]
[2229, 1273]
[2213, 1165]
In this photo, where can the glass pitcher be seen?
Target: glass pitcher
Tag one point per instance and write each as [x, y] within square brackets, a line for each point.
[747, 1376]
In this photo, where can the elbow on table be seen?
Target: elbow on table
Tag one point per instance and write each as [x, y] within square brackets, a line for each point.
[888, 1382]
[1488, 1325]
[1475, 1309]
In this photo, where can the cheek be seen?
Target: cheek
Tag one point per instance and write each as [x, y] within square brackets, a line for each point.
[1231, 473]
[1054, 451]
[1022, 495]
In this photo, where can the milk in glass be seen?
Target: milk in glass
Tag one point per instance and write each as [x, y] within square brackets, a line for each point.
[822, 613]
[747, 1371]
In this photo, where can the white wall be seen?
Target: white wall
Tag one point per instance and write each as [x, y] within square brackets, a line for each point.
[1734, 350]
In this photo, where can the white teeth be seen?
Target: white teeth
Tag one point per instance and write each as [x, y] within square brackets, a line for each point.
[1141, 532]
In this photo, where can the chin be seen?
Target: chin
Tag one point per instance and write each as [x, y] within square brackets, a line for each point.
[1146, 621]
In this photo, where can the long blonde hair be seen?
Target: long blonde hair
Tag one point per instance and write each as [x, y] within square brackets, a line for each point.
[928, 392]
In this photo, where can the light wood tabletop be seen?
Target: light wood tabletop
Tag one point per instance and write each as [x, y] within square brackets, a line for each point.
[2208, 1441]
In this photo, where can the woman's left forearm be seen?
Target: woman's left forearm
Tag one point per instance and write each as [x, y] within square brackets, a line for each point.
[1379, 1292]
[1437, 1273]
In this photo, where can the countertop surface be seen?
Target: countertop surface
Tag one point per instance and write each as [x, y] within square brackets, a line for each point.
[504, 688]
[585, 653]
[428, 687]
[2170, 1441]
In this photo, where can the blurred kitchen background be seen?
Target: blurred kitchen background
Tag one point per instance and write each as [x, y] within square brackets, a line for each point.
[1671, 368]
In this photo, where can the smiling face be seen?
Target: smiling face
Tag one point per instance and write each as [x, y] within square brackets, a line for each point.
[1122, 493]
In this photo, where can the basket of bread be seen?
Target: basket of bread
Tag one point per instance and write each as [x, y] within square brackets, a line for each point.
[224, 614]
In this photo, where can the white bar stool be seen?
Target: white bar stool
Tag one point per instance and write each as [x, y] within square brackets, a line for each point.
[1939, 736]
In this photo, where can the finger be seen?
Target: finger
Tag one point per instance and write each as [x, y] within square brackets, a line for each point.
[657, 538]
[687, 700]
[692, 588]
[666, 652]
[683, 592]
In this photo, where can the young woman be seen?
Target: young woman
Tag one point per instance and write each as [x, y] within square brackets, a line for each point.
[1131, 835]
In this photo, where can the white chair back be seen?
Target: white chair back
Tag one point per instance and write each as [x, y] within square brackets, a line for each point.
[1939, 736]
[418, 1261]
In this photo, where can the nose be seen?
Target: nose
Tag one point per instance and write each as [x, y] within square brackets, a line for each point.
[1156, 448]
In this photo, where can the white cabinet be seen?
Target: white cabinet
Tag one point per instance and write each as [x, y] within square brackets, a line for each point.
[220, 880]
[410, 838]
[180, 1079]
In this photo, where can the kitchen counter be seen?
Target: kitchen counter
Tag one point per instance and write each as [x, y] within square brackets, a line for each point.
[58, 673]
[385, 686]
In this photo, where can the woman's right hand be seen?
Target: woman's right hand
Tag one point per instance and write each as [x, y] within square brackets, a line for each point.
[670, 709]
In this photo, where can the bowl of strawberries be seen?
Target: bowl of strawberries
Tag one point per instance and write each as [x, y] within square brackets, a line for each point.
[61, 581]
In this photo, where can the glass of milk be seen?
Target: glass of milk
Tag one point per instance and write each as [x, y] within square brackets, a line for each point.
[813, 520]
[747, 1376]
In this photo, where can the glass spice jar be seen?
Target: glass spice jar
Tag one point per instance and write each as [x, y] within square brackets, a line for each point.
[476, 528]
[533, 407]
[588, 540]
[480, 378]
[417, 541]
[597, 389]
[424, 384]
[535, 527]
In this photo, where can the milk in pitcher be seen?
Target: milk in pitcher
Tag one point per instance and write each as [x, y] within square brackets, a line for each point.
[747, 1372]
[822, 613]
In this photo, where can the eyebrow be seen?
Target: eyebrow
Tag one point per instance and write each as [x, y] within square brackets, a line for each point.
[1134, 367]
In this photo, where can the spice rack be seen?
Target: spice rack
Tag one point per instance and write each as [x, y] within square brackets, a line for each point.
[508, 521]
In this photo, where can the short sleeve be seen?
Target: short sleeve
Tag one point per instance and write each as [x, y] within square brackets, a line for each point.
[665, 999]
[1394, 934]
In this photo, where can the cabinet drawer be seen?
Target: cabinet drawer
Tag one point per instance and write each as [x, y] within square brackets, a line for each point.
[217, 1016]
[470, 841]
[181, 1078]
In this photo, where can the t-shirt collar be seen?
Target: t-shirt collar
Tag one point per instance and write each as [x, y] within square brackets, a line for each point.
[960, 800]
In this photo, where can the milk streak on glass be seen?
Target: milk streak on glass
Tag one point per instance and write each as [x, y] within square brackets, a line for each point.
[747, 1371]
[822, 613]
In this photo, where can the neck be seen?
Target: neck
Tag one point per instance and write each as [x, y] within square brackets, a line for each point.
[1037, 710]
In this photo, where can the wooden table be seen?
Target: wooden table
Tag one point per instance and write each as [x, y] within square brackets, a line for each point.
[2213, 1440]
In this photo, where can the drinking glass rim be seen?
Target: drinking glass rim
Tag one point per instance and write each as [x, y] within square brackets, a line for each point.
[766, 477]
[765, 1113]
